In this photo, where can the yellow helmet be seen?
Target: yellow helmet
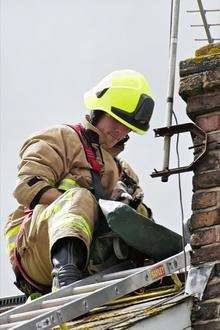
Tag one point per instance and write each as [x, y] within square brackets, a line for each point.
[126, 96]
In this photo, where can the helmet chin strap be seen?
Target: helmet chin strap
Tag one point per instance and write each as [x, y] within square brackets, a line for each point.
[122, 141]
[95, 115]
[118, 147]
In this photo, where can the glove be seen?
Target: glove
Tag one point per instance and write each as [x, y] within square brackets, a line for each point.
[121, 194]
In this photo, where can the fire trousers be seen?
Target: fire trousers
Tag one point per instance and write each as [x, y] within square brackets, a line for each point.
[73, 214]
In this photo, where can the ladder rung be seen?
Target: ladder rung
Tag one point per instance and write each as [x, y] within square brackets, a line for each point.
[122, 273]
[93, 287]
[114, 277]
[60, 301]
[29, 315]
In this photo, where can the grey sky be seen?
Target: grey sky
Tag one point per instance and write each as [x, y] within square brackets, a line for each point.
[53, 51]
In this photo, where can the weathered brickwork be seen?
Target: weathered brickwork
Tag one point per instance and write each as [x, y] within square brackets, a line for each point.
[206, 180]
[204, 63]
[206, 310]
[200, 88]
[209, 123]
[208, 102]
[197, 83]
[206, 253]
[207, 325]
[210, 162]
[204, 219]
[213, 289]
[205, 199]
[205, 236]
[210, 325]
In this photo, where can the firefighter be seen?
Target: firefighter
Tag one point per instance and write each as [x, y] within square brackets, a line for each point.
[63, 172]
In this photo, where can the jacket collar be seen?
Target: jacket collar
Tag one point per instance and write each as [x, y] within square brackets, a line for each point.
[95, 136]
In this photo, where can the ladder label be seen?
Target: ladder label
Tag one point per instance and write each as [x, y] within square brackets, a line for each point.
[157, 272]
[44, 323]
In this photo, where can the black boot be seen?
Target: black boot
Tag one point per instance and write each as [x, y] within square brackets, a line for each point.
[68, 258]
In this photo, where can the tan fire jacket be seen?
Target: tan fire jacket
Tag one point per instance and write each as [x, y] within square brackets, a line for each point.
[56, 153]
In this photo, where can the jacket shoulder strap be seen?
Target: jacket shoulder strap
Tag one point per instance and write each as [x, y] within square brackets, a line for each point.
[79, 129]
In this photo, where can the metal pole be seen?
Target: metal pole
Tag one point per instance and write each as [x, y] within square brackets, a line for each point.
[206, 26]
[171, 81]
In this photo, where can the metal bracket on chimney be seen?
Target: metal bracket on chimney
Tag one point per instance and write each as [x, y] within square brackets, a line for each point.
[196, 132]
[198, 278]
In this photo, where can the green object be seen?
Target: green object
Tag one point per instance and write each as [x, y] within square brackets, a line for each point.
[34, 296]
[139, 232]
[101, 252]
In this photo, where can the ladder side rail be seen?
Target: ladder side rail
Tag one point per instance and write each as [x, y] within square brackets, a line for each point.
[59, 301]
[66, 291]
[124, 286]
[9, 325]
[81, 292]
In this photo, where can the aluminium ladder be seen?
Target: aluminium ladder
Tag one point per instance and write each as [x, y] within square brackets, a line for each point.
[81, 297]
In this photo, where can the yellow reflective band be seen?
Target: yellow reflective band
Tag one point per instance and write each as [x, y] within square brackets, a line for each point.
[13, 232]
[57, 207]
[51, 182]
[74, 221]
[62, 187]
[11, 237]
[71, 181]
[67, 184]
[11, 246]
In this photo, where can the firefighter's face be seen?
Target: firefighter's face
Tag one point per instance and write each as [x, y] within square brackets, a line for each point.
[114, 131]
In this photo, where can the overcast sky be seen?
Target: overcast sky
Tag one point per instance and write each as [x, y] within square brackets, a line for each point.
[55, 50]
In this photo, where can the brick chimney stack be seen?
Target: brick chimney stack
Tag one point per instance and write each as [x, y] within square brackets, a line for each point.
[200, 89]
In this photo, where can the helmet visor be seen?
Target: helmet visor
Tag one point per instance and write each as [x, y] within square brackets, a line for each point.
[140, 117]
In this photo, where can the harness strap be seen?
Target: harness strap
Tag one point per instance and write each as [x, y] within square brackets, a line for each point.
[21, 274]
[23, 281]
[95, 165]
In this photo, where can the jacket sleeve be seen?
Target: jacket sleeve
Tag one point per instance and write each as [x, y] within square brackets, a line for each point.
[45, 158]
